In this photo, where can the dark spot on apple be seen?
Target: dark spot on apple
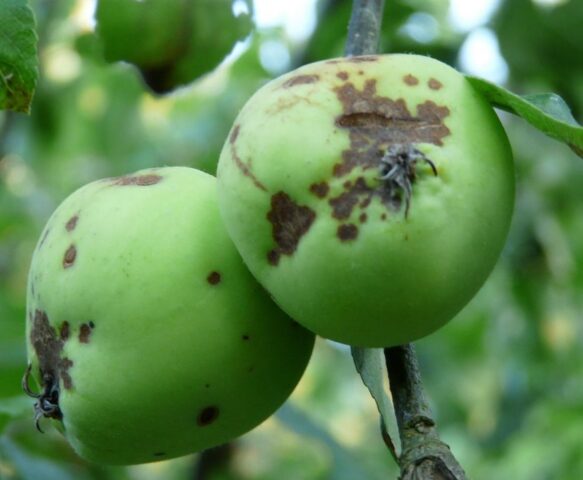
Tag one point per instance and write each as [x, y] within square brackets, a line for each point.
[65, 331]
[91, 324]
[375, 122]
[213, 278]
[207, 416]
[64, 365]
[207, 385]
[411, 80]
[70, 256]
[347, 232]
[290, 222]
[139, 180]
[343, 204]
[85, 332]
[362, 59]
[434, 84]
[48, 346]
[251, 369]
[300, 80]
[363, 217]
[245, 337]
[72, 223]
[383, 216]
[342, 75]
[159, 454]
[245, 167]
[234, 133]
[320, 189]
[44, 237]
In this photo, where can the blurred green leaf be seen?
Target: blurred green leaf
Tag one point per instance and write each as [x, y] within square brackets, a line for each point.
[171, 42]
[18, 59]
[370, 364]
[548, 112]
[345, 465]
[15, 407]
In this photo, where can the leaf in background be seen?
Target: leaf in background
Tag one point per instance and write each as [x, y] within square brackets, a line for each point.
[18, 58]
[171, 42]
[547, 112]
[370, 364]
[345, 465]
[15, 407]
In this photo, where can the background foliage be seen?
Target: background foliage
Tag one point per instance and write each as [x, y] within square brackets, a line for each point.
[504, 377]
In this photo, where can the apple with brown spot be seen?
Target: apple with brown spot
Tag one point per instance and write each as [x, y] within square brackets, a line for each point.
[371, 196]
[147, 336]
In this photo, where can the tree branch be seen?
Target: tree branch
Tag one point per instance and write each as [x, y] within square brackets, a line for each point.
[424, 455]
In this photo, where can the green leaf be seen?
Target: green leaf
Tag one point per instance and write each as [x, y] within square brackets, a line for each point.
[370, 364]
[547, 112]
[177, 41]
[18, 58]
[14, 407]
[345, 465]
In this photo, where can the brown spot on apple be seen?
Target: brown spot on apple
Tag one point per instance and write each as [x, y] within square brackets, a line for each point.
[290, 222]
[213, 278]
[411, 80]
[347, 232]
[72, 223]
[434, 84]
[320, 189]
[300, 80]
[207, 415]
[70, 256]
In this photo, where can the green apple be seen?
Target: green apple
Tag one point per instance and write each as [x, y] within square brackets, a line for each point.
[147, 336]
[371, 196]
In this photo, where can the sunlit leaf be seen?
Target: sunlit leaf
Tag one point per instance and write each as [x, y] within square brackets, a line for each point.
[18, 58]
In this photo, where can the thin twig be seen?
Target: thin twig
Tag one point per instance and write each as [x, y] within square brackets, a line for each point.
[423, 455]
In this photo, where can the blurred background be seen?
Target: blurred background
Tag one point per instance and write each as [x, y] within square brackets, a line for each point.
[505, 378]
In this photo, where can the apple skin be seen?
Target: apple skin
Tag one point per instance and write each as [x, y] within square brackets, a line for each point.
[162, 341]
[301, 195]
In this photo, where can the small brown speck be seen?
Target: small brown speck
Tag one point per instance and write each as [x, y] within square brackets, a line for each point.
[347, 232]
[410, 80]
[64, 365]
[64, 331]
[207, 416]
[342, 75]
[234, 133]
[84, 333]
[434, 84]
[383, 216]
[320, 189]
[363, 217]
[213, 278]
[140, 180]
[69, 258]
[72, 223]
[245, 337]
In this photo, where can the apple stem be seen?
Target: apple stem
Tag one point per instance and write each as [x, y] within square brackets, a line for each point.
[423, 454]
[364, 28]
